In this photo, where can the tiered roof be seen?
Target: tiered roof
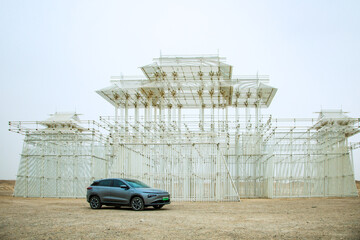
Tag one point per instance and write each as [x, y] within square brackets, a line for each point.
[189, 82]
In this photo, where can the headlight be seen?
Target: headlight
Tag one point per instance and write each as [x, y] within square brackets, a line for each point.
[151, 195]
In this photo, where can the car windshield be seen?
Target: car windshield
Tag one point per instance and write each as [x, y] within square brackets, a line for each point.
[137, 184]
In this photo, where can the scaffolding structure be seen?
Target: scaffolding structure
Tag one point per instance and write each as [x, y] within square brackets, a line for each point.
[191, 127]
[60, 156]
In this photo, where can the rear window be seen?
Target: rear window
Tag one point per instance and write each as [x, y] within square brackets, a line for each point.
[105, 183]
[95, 184]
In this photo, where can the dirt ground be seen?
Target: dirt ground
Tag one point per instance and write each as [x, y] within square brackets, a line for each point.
[316, 218]
[7, 187]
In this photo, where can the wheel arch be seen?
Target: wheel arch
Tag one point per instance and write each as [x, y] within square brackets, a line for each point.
[136, 195]
[95, 195]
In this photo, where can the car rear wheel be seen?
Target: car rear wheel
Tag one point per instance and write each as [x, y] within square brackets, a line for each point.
[95, 202]
[158, 206]
[137, 204]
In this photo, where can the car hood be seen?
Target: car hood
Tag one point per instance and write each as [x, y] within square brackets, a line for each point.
[151, 190]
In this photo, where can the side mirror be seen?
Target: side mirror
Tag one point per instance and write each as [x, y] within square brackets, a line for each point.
[124, 186]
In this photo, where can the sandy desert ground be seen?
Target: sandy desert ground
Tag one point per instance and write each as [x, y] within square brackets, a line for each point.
[317, 218]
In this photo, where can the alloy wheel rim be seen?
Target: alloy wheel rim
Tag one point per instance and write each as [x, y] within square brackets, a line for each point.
[137, 204]
[94, 202]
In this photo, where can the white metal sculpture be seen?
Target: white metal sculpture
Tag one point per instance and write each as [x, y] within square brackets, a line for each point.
[60, 155]
[191, 127]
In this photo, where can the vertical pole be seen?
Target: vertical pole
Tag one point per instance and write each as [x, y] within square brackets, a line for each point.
[247, 118]
[115, 127]
[213, 118]
[290, 166]
[93, 166]
[201, 110]
[212, 158]
[179, 117]
[218, 173]
[42, 170]
[146, 116]
[160, 110]
[169, 116]
[162, 158]
[27, 165]
[307, 177]
[127, 116]
[155, 117]
[149, 115]
[127, 158]
[270, 177]
[170, 171]
[136, 123]
[237, 165]
[256, 117]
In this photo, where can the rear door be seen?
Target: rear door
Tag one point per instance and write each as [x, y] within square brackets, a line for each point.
[103, 189]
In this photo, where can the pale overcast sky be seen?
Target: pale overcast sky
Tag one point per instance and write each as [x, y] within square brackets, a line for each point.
[55, 54]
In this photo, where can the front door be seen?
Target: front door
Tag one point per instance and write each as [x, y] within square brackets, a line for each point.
[118, 194]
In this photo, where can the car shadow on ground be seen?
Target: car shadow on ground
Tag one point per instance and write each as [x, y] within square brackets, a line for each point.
[127, 209]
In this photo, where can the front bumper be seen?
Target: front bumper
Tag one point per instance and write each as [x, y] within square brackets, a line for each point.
[157, 200]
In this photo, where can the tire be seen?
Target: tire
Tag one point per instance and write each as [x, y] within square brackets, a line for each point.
[158, 206]
[137, 204]
[95, 202]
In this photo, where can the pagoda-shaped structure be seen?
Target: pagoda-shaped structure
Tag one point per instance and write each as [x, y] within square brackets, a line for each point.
[60, 156]
[192, 127]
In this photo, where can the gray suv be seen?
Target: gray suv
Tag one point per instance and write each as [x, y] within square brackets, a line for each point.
[125, 192]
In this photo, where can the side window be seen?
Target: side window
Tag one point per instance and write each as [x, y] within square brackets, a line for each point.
[118, 183]
[105, 183]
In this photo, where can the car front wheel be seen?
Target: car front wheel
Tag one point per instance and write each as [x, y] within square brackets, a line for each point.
[137, 203]
[95, 202]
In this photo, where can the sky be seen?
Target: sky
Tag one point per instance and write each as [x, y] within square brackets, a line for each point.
[54, 55]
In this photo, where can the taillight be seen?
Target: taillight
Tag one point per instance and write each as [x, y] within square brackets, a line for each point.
[89, 188]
